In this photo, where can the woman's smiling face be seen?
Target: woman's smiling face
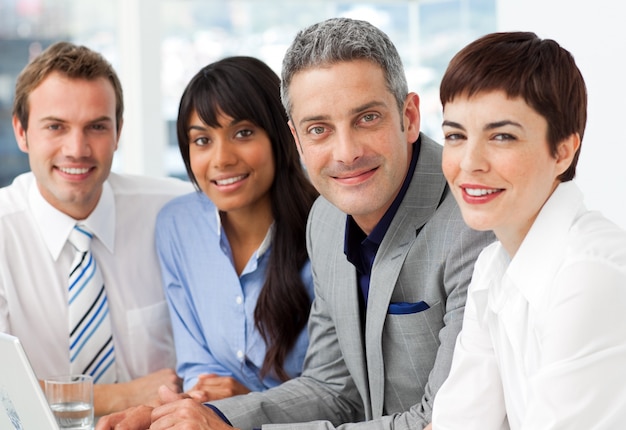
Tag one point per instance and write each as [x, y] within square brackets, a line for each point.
[498, 163]
[233, 163]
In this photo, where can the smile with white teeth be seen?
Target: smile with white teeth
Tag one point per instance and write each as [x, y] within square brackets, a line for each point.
[478, 192]
[229, 181]
[74, 170]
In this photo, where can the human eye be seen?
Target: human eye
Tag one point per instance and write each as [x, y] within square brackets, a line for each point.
[53, 126]
[98, 126]
[503, 137]
[316, 130]
[243, 133]
[199, 140]
[453, 137]
[369, 117]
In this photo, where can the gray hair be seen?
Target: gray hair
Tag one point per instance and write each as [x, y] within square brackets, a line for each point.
[342, 39]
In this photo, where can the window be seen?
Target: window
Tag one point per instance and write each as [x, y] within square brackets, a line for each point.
[196, 32]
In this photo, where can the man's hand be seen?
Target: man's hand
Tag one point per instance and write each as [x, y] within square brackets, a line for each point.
[183, 413]
[109, 398]
[135, 418]
[177, 411]
[213, 387]
[138, 417]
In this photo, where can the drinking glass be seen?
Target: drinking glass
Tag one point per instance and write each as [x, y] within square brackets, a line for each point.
[71, 399]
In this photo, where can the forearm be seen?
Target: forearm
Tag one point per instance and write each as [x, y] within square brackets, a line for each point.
[409, 420]
[298, 400]
[109, 398]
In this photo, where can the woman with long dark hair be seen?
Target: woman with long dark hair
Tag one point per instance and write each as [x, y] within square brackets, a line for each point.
[233, 253]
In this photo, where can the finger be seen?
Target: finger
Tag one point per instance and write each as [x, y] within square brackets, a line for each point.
[198, 395]
[167, 395]
[172, 408]
[205, 376]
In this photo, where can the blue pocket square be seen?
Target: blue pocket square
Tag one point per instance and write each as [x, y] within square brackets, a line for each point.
[402, 308]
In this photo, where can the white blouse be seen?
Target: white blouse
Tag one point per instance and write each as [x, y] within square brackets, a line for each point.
[543, 344]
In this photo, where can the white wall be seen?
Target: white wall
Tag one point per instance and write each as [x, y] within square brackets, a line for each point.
[594, 32]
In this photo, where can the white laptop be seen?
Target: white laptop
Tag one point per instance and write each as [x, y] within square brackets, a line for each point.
[23, 405]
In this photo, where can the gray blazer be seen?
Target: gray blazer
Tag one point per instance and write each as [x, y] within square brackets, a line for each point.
[386, 377]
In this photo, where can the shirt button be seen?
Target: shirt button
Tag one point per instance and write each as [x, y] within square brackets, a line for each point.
[240, 354]
[239, 300]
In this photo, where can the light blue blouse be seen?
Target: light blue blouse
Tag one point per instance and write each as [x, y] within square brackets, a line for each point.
[211, 307]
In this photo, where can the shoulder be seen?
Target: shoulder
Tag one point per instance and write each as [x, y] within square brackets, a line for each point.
[430, 150]
[188, 205]
[124, 184]
[492, 254]
[324, 215]
[447, 220]
[325, 229]
[446, 238]
[594, 237]
[14, 197]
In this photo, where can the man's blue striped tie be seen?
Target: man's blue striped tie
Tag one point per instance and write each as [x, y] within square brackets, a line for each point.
[91, 341]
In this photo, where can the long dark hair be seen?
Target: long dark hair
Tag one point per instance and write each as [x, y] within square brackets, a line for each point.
[245, 88]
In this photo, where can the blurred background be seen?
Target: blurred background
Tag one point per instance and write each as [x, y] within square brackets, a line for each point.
[158, 45]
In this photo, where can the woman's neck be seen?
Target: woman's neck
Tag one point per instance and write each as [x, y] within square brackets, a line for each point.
[246, 230]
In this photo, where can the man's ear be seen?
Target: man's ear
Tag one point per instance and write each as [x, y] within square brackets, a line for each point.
[119, 133]
[20, 134]
[411, 117]
[294, 133]
[566, 151]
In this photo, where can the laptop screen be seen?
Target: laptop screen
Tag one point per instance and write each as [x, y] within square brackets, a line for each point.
[23, 405]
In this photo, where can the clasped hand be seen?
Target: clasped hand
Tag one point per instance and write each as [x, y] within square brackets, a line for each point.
[178, 411]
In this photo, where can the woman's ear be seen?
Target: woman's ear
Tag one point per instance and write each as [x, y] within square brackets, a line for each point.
[566, 151]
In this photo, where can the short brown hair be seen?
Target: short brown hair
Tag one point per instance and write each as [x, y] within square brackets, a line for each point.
[522, 65]
[73, 61]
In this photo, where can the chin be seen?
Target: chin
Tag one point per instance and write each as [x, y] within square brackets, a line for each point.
[476, 223]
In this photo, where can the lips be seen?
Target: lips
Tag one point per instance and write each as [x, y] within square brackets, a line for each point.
[476, 194]
[229, 181]
[74, 170]
[355, 176]
[480, 192]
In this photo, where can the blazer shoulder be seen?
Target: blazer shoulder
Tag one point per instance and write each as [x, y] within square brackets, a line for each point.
[325, 229]
[326, 214]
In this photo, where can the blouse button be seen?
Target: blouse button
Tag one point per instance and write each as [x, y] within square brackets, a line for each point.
[239, 300]
[240, 354]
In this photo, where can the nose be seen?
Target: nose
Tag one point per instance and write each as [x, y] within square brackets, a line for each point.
[223, 154]
[76, 145]
[474, 158]
[346, 148]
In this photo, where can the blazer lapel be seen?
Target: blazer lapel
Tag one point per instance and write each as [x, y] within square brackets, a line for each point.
[348, 325]
[420, 202]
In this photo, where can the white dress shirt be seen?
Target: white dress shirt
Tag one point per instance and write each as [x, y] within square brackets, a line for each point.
[35, 258]
[543, 344]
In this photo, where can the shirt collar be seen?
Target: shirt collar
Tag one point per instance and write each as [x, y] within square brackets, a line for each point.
[267, 241]
[354, 236]
[534, 265]
[55, 226]
[554, 221]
